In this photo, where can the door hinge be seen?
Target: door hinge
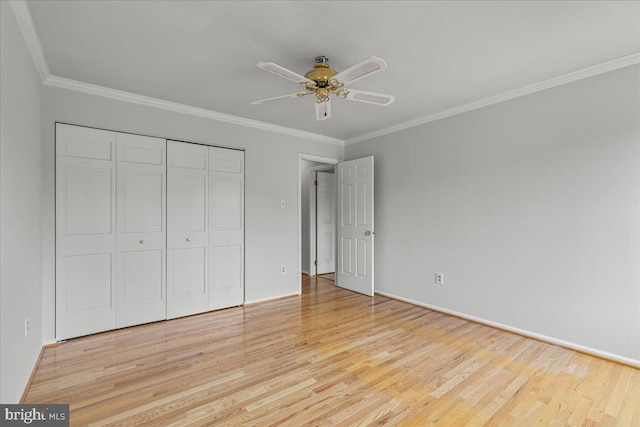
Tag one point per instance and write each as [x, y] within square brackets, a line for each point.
[315, 262]
[315, 183]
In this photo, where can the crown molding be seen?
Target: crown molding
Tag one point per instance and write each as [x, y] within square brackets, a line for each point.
[25, 22]
[573, 76]
[23, 16]
[120, 95]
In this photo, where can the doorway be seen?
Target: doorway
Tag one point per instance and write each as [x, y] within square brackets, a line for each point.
[322, 224]
[355, 232]
[311, 168]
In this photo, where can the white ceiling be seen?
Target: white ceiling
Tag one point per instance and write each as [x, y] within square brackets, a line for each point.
[440, 55]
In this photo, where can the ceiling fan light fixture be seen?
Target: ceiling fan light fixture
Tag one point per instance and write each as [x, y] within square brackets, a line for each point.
[322, 95]
[342, 93]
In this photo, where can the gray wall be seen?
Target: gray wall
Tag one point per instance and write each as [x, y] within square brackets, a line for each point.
[20, 209]
[530, 208]
[271, 159]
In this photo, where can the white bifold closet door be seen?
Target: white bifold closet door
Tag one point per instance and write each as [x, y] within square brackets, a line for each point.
[85, 231]
[141, 224]
[206, 229]
[226, 228]
[146, 229]
[188, 238]
[110, 230]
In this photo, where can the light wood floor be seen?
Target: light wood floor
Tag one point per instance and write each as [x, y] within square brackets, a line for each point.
[331, 357]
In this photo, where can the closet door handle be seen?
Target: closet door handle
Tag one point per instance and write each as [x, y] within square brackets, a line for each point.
[141, 241]
[188, 239]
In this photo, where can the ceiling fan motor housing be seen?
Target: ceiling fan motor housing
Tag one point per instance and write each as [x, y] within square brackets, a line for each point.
[321, 72]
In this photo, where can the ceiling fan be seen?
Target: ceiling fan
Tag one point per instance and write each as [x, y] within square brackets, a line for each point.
[322, 81]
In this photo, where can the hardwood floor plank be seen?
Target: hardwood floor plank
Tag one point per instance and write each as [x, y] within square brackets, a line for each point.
[330, 357]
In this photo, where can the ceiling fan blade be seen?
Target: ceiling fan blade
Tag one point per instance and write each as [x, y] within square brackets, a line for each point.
[323, 110]
[370, 97]
[278, 98]
[362, 69]
[282, 72]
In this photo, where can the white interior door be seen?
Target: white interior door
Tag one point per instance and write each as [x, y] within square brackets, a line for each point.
[355, 225]
[325, 223]
[85, 231]
[141, 240]
[188, 238]
[226, 232]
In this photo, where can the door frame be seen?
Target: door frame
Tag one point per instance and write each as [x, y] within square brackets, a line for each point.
[313, 158]
[313, 214]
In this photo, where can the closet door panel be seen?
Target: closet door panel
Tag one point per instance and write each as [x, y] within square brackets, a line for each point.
[227, 205]
[75, 142]
[187, 243]
[142, 196]
[85, 231]
[86, 200]
[88, 282]
[141, 223]
[188, 205]
[226, 235]
[227, 267]
[188, 272]
[141, 274]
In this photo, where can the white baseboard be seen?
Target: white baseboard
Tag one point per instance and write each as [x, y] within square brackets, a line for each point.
[562, 343]
[47, 343]
[256, 301]
[34, 368]
[306, 272]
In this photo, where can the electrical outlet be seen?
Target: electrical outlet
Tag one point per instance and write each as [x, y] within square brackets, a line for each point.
[283, 269]
[26, 326]
[440, 278]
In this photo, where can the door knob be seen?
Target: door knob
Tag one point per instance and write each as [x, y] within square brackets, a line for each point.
[188, 239]
[368, 233]
[141, 241]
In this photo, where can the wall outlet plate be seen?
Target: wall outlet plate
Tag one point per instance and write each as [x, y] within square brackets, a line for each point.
[283, 269]
[440, 278]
